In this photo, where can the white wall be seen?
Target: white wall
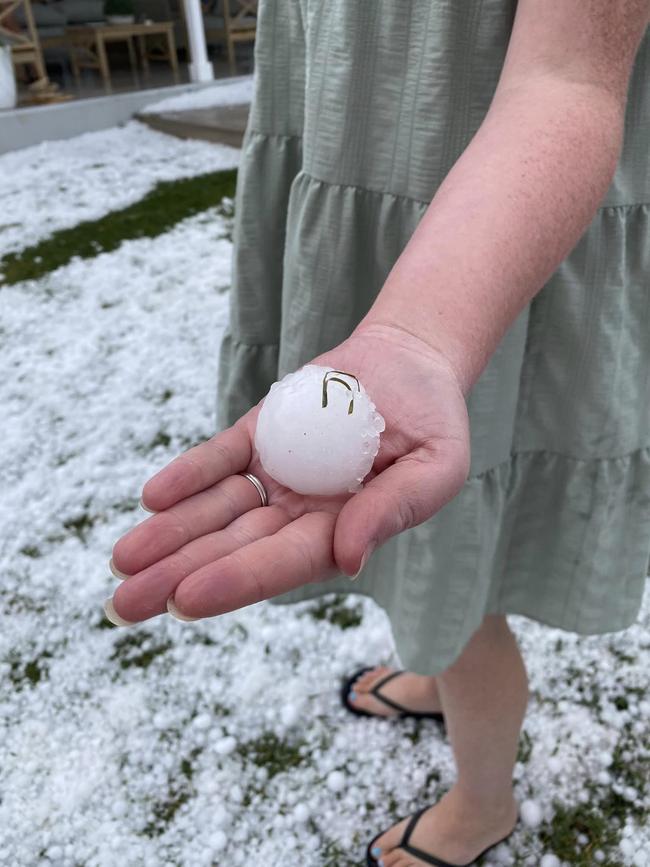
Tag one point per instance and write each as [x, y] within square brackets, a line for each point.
[23, 127]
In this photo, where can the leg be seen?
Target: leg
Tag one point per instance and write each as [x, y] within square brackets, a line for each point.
[144, 59]
[171, 48]
[133, 63]
[484, 696]
[103, 63]
[232, 63]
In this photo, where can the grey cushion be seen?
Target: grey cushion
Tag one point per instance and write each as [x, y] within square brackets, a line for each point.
[83, 11]
[48, 32]
[156, 10]
[45, 15]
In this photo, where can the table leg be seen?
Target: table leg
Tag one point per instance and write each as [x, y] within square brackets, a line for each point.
[142, 48]
[103, 63]
[133, 60]
[173, 59]
[72, 53]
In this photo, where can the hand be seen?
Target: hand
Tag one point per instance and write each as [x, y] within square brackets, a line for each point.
[212, 547]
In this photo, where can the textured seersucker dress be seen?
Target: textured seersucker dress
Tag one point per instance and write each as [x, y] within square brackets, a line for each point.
[361, 108]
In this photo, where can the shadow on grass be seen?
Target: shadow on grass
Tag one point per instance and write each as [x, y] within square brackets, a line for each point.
[167, 204]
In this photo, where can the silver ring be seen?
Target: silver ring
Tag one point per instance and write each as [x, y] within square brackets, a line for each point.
[259, 487]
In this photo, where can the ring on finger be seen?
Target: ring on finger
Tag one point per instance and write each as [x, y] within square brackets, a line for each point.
[259, 487]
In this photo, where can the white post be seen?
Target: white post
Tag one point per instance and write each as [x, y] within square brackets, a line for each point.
[200, 66]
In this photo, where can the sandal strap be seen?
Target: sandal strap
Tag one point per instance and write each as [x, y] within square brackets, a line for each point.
[431, 859]
[384, 698]
[413, 850]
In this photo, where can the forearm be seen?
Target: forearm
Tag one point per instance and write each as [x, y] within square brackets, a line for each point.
[508, 213]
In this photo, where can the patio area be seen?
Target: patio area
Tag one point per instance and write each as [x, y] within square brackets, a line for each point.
[81, 49]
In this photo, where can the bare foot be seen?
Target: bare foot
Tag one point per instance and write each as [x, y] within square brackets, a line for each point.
[452, 830]
[416, 692]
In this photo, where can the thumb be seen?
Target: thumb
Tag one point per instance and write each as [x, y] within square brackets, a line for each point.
[404, 495]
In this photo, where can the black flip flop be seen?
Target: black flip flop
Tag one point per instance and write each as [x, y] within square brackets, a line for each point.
[404, 844]
[404, 712]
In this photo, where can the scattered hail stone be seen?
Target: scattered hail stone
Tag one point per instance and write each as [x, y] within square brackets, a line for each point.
[301, 813]
[318, 432]
[549, 861]
[531, 814]
[335, 781]
[290, 714]
[203, 722]
[225, 746]
[218, 841]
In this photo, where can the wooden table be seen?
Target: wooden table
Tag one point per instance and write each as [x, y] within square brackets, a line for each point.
[88, 46]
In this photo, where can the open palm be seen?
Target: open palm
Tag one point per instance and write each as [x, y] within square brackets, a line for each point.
[213, 548]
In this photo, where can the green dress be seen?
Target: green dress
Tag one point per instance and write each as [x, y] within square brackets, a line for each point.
[361, 108]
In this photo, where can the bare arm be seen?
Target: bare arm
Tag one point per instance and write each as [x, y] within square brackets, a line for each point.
[525, 189]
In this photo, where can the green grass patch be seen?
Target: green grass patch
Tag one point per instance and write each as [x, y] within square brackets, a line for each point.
[31, 551]
[337, 612]
[333, 855]
[167, 204]
[161, 438]
[270, 752]
[525, 748]
[593, 821]
[80, 526]
[138, 649]
[27, 674]
[125, 506]
[165, 808]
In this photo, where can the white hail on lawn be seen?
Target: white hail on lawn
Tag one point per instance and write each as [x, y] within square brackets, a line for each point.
[147, 746]
[58, 184]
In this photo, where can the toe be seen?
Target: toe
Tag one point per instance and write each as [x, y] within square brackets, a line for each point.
[396, 858]
[388, 841]
[370, 678]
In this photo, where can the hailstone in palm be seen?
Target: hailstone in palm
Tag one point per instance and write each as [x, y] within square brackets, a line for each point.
[318, 431]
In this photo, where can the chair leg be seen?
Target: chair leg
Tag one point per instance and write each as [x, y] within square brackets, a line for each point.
[231, 55]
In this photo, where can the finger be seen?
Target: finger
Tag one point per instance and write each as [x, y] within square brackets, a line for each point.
[198, 468]
[167, 531]
[297, 554]
[145, 595]
[405, 494]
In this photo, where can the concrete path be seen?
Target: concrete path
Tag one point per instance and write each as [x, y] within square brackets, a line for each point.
[224, 124]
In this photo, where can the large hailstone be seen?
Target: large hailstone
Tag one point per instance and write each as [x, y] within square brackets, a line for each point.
[318, 432]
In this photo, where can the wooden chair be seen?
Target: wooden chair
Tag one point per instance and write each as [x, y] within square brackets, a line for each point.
[236, 23]
[25, 44]
[156, 47]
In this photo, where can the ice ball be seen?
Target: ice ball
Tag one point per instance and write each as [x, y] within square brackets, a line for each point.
[531, 814]
[318, 431]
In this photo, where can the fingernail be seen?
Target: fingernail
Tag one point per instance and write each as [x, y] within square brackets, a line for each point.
[368, 552]
[380, 862]
[353, 696]
[116, 572]
[376, 850]
[113, 616]
[146, 508]
[173, 610]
